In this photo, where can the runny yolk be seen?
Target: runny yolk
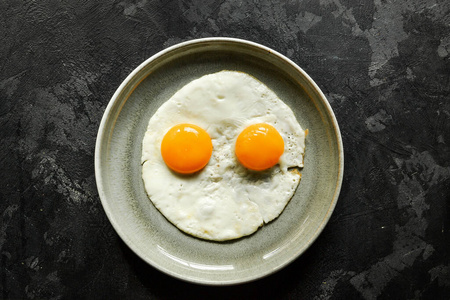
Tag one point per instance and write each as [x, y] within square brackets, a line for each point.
[259, 147]
[186, 148]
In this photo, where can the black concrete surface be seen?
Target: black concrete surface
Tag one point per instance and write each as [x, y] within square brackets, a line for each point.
[384, 66]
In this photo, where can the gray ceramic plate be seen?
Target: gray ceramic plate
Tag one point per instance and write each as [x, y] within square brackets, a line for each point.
[147, 232]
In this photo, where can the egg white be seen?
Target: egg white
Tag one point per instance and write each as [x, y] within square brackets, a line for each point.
[224, 200]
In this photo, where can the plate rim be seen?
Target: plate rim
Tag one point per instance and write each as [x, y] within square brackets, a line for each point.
[101, 135]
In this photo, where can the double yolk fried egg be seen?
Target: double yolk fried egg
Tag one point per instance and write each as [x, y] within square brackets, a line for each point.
[221, 156]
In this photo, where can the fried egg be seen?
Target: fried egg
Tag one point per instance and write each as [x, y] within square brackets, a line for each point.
[241, 170]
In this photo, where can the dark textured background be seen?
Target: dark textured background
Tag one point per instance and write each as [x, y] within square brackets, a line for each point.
[384, 66]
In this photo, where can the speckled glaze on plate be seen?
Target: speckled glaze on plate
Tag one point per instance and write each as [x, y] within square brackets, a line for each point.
[145, 230]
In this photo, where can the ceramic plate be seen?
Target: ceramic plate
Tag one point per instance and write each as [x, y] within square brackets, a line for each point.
[145, 230]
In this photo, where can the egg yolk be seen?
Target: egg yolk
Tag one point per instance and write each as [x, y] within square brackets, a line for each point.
[186, 148]
[259, 147]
